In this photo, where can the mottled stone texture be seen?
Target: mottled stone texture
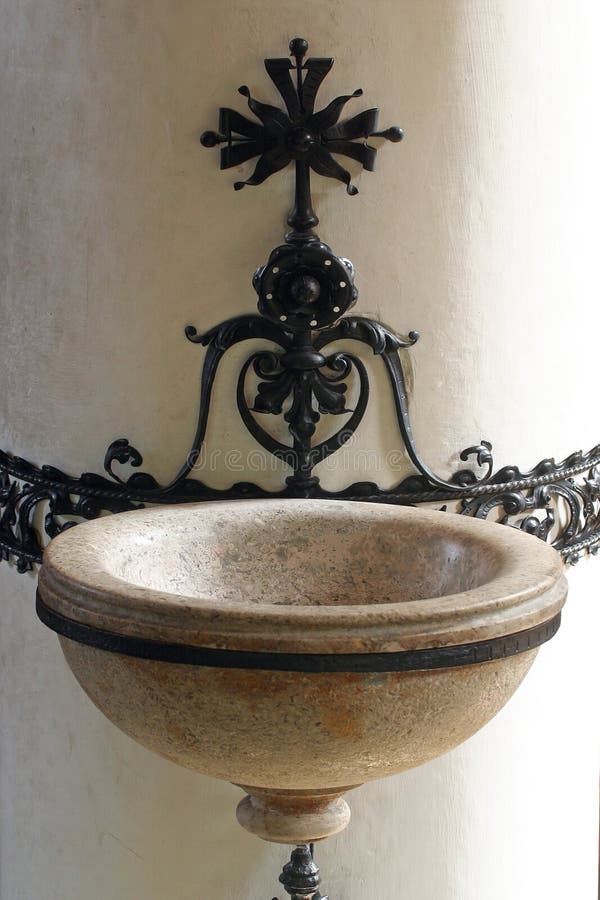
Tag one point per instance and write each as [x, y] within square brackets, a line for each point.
[303, 576]
[292, 730]
[293, 817]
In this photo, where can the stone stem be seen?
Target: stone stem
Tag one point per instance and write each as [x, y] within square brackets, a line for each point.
[293, 817]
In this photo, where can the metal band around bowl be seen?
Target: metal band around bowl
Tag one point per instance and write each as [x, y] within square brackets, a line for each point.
[401, 661]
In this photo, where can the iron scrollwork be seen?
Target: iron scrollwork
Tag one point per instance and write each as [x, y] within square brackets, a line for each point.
[305, 292]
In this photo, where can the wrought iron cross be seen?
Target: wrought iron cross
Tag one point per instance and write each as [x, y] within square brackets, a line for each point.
[304, 294]
[301, 135]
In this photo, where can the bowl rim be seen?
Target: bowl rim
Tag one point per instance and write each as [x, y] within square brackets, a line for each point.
[529, 591]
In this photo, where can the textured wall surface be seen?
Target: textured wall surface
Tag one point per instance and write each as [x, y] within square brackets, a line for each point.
[116, 230]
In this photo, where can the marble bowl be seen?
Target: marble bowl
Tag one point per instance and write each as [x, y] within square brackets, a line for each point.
[299, 648]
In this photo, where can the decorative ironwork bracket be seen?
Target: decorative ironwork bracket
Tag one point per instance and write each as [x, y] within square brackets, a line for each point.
[301, 876]
[304, 292]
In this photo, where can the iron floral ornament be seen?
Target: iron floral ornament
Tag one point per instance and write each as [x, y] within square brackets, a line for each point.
[305, 292]
[302, 135]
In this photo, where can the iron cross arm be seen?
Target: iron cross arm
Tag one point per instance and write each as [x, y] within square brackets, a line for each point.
[298, 133]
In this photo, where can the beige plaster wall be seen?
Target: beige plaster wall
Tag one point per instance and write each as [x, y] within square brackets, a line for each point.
[117, 229]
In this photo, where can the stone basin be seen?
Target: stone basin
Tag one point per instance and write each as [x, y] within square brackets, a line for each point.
[299, 648]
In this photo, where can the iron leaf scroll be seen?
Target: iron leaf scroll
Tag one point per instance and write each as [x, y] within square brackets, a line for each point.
[305, 292]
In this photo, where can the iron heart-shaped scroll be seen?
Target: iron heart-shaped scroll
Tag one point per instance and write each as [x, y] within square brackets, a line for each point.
[304, 294]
